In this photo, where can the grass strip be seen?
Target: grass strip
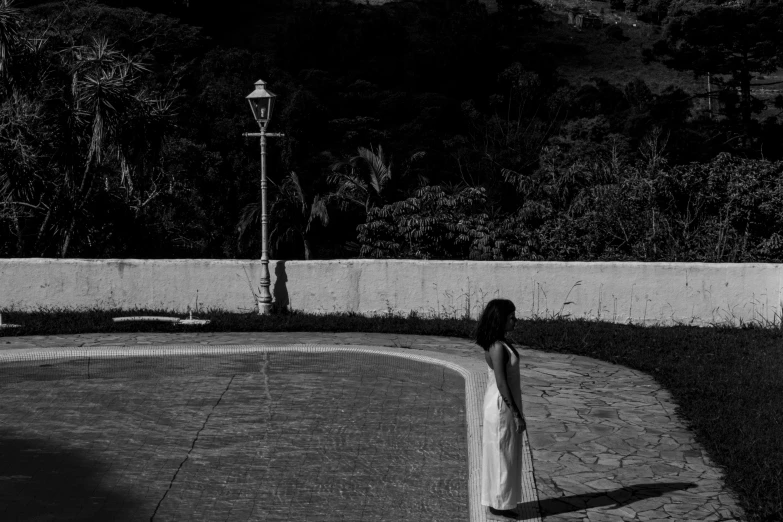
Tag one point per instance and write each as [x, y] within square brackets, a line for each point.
[727, 382]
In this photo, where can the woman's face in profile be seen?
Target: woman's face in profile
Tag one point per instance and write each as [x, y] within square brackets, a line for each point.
[511, 321]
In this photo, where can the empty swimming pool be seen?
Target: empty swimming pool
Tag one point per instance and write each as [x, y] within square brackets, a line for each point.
[232, 434]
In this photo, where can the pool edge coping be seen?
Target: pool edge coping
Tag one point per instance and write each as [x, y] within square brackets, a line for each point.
[473, 372]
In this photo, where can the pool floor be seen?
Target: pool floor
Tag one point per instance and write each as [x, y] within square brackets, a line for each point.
[309, 444]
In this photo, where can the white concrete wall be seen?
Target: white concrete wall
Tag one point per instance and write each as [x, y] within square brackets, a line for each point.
[652, 293]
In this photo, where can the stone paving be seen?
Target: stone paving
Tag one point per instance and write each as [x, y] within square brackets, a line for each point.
[607, 444]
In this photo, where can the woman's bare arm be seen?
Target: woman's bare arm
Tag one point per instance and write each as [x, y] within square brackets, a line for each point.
[499, 356]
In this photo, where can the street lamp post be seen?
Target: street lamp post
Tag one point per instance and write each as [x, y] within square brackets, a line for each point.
[261, 103]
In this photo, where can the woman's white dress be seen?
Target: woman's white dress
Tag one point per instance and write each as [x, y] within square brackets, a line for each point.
[501, 463]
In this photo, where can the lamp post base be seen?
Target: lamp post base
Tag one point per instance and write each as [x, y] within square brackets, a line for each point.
[264, 298]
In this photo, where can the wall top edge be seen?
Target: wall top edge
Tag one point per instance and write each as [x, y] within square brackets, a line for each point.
[273, 262]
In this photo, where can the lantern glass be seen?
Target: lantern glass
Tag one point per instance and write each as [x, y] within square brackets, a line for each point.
[260, 108]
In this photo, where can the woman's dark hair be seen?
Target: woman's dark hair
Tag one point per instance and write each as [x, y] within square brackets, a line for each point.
[491, 326]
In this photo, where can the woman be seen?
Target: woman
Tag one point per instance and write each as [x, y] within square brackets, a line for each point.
[501, 473]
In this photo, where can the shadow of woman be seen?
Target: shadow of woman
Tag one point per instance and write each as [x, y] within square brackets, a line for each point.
[616, 498]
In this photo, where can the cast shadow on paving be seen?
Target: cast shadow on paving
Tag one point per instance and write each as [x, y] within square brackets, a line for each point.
[615, 498]
[38, 478]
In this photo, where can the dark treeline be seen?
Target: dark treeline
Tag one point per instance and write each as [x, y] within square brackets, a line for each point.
[415, 129]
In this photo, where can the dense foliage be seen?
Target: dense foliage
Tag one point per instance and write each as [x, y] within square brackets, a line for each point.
[725, 210]
[434, 130]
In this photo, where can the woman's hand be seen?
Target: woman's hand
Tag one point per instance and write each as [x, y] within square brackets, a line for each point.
[519, 423]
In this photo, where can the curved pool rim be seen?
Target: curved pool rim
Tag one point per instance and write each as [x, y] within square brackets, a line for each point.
[473, 371]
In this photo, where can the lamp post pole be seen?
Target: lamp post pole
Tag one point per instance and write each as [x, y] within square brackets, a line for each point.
[261, 104]
[265, 298]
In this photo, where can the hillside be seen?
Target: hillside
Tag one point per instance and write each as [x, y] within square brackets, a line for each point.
[615, 60]
[596, 54]
[621, 61]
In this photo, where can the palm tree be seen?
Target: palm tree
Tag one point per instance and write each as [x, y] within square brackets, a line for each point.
[293, 213]
[10, 20]
[109, 116]
[363, 179]
[367, 180]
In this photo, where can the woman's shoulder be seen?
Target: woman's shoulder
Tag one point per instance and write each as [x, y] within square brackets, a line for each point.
[498, 345]
[505, 346]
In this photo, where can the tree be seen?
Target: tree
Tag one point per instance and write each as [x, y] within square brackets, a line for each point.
[21, 184]
[444, 223]
[653, 11]
[363, 180]
[293, 213]
[617, 4]
[83, 123]
[514, 10]
[511, 136]
[10, 20]
[734, 43]
[101, 120]
[109, 115]
[431, 224]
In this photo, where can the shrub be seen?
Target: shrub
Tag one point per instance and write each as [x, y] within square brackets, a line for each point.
[615, 32]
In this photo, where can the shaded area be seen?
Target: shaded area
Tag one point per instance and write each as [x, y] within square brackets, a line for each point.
[615, 498]
[40, 478]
